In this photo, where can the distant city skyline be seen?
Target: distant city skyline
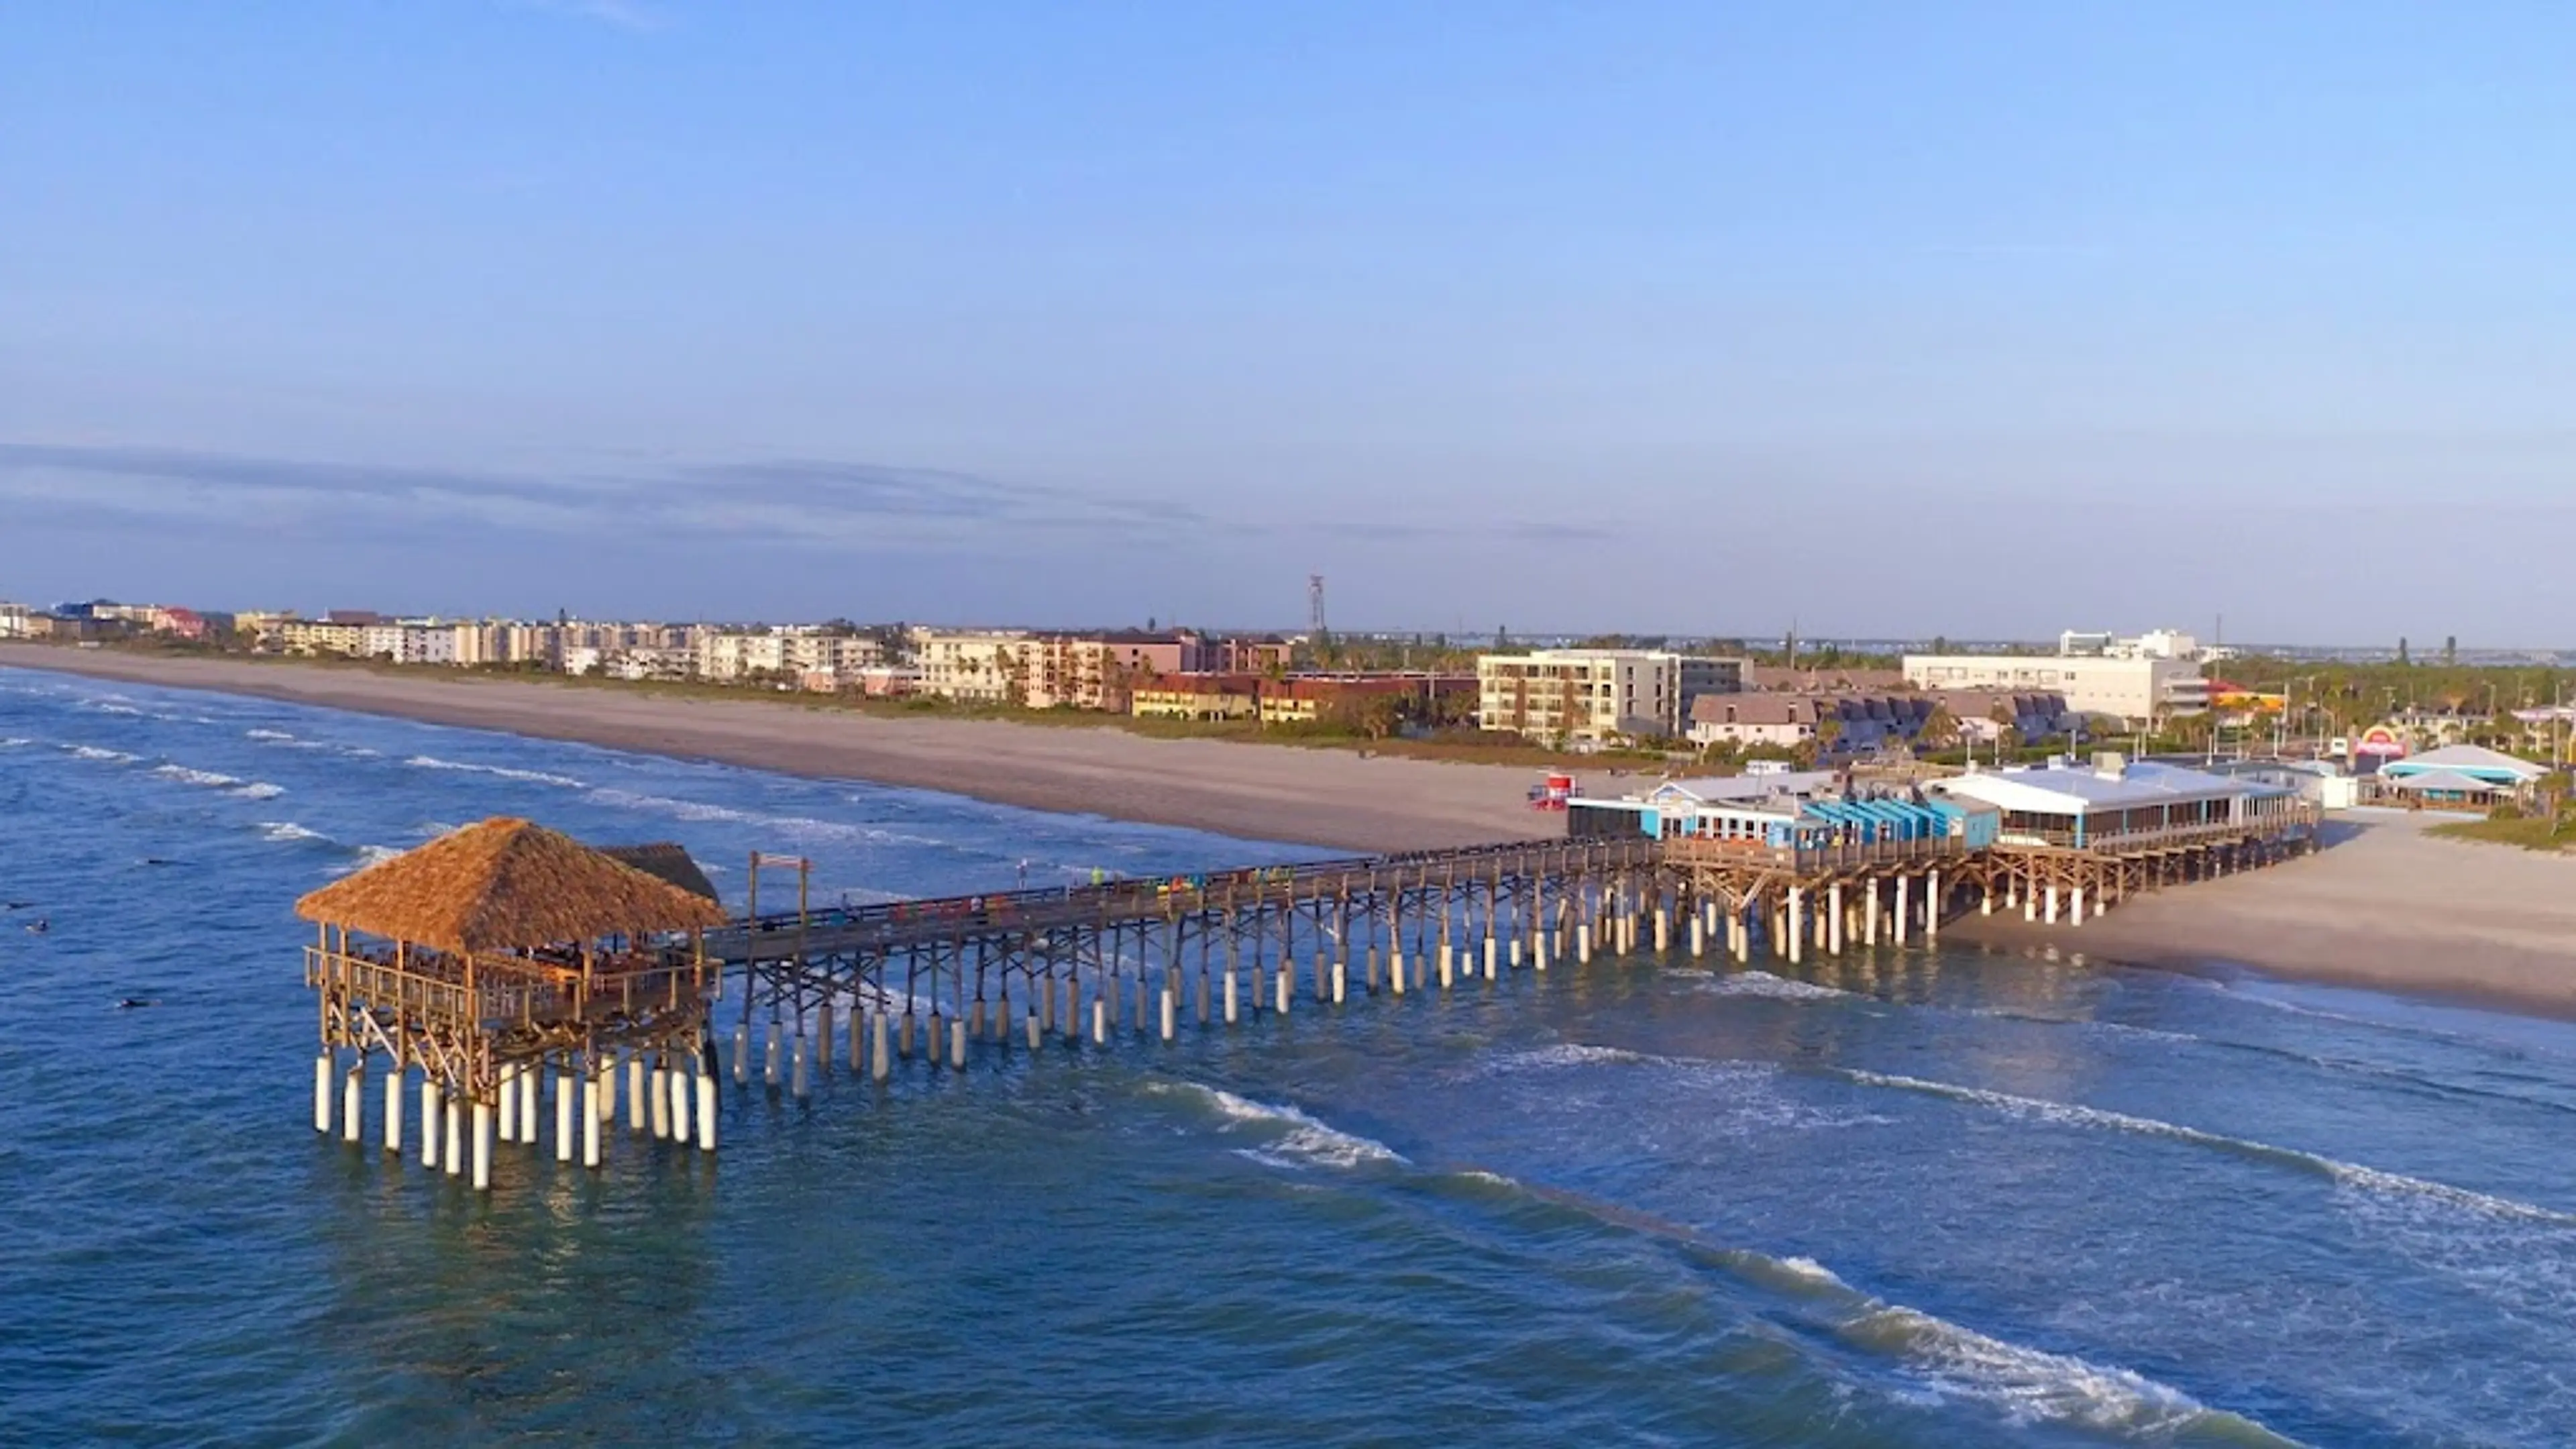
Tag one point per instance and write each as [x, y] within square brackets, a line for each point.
[1980, 321]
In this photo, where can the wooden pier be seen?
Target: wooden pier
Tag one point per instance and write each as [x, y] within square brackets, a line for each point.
[487, 997]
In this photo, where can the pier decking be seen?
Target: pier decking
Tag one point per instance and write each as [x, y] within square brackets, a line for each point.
[940, 981]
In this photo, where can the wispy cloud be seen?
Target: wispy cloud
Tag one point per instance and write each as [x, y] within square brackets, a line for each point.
[793, 502]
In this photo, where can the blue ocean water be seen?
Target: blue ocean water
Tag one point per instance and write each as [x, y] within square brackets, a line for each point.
[1929, 1198]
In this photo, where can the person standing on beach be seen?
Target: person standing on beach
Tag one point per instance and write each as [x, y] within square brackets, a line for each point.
[1024, 872]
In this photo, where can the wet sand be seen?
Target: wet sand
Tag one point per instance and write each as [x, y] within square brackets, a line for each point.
[1322, 797]
[2385, 905]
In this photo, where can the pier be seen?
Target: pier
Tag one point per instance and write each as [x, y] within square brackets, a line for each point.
[504, 962]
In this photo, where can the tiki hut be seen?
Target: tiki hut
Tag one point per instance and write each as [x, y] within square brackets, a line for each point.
[506, 885]
[664, 860]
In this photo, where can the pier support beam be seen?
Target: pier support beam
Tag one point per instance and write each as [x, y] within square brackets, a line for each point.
[1904, 907]
[2052, 905]
[2078, 917]
[1234, 1007]
[1931, 907]
[707, 1110]
[352, 1102]
[456, 1145]
[482, 1147]
[566, 1092]
[428, 1120]
[394, 1111]
[508, 1104]
[880, 1051]
[1834, 918]
[593, 1113]
[322, 1094]
[1797, 937]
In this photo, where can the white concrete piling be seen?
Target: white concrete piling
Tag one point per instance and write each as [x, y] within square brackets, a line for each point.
[707, 1112]
[566, 1098]
[769, 1062]
[394, 1111]
[1698, 942]
[655, 1099]
[1099, 1021]
[1492, 959]
[352, 1103]
[1834, 921]
[880, 1047]
[1869, 915]
[1395, 971]
[957, 1046]
[1663, 930]
[322, 1094]
[1341, 984]
[2052, 905]
[1037, 1033]
[428, 1121]
[680, 1095]
[1515, 953]
[1446, 969]
[742, 1056]
[1287, 985]
[593, 1114]
[1583, 943]
[1904, 907]
[1232, 1006]
[2078, 918]
[507, 1092]
[1172, 1010]
[1931, 907]
[858, 1040]
[800, 1076]
[1797, 920]
[482, 1147]
[529, 1077]
[637, 1109]
[455, 1134]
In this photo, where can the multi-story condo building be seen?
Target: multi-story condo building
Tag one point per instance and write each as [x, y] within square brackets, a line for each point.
[1590, 697]
[2139, 689]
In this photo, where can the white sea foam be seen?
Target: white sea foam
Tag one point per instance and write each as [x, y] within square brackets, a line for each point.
[277, 735]
[93, 752]
[790, 826]
[2347, 1174]
[1564, 1054]
[14, 741]
[259, 790]
[2028, 1385]
[1763, 983]
[374, 855]
[188, 776]
[1297, 1139]
[538, 777]
[283, 831]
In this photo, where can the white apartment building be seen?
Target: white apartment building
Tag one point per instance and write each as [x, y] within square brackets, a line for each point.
[971, 666]
[724, 657]
[1592, 696]
[17, 621]
[2140, 689]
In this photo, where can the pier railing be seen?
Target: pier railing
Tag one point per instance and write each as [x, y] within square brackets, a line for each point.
[2303, 815]
[504, 991]
[1819, 859]
[1151, 898]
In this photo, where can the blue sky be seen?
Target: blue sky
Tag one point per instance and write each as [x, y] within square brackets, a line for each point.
[1977, 319]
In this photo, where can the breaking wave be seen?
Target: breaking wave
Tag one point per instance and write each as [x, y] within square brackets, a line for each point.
[1291, 1138]
[187, 776]
[791, 826]
[283, 831]
[2344, 1174]
[1782, 988]
[93, 752]
[537, 777]
[259, 790]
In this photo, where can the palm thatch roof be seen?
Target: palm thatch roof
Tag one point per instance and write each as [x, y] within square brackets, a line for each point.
[505, 884]
[664, 860]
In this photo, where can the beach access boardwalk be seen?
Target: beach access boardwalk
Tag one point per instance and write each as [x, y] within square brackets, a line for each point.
[503, 956]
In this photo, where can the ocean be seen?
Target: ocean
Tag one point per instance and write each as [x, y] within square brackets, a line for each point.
[1920, 1198]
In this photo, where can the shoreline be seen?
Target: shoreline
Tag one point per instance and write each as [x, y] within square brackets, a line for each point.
[2384, 907]
[1328, 799]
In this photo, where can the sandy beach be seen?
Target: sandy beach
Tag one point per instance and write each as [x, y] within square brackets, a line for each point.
[1323, 797]
[2385, 905]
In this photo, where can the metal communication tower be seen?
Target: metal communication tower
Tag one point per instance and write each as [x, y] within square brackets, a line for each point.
[1315, 604]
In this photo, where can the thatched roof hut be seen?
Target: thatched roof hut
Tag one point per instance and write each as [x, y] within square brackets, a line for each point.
[501, 885]
[664, 860]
